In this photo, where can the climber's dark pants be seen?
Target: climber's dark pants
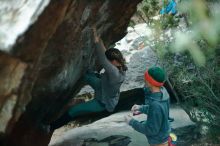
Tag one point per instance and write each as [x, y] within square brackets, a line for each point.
[91, 106]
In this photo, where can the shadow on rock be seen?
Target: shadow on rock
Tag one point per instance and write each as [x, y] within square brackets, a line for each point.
[115, 140]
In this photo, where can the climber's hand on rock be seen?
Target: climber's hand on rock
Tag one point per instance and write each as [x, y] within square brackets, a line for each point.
[135, 108]
[128, 118]
[95, 35]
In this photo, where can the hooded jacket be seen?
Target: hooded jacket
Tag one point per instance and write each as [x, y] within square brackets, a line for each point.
[156, 128]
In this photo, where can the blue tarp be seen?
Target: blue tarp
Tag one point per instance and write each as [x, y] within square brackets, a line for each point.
[170, 8]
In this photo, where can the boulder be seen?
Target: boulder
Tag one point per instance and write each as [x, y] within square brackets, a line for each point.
[113, 131]
[42, 70]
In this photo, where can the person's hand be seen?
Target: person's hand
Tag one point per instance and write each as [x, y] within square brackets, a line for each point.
[135, 108]
[95, 35]
[128, 118]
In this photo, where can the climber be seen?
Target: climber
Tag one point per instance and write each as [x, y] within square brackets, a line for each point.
[106, 85]
[156, 128]
[169, 7]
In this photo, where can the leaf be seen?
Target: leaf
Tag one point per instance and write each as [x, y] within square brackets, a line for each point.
[181, 42]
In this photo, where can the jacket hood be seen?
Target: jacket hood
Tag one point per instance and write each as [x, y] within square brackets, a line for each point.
[165, 94]
[157, 96]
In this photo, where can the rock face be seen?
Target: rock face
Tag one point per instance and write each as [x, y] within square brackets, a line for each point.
[44, 68]
[15, 18]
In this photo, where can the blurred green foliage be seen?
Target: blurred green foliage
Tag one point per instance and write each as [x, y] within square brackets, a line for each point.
[204, 25]
[194, 64]
[148, 8]
[197, 86]
[192, 57]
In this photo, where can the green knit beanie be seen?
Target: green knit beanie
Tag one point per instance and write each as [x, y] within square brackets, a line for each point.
[156, 76]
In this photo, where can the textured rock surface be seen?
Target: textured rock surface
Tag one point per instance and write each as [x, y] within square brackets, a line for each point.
[117, 131]
[16, 16]
[43, 70]
[11, 74]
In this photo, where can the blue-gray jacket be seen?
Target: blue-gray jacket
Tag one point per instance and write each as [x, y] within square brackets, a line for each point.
[156, 127]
